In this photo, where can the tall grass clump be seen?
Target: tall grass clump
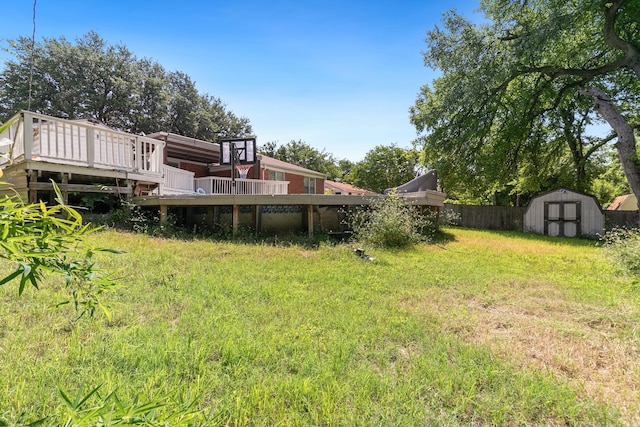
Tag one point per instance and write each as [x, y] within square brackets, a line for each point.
[622, 245]
[391, 222]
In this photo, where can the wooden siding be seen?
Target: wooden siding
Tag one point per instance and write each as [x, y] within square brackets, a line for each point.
[546, 214]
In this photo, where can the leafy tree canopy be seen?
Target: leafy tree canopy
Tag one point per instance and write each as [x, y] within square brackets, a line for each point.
[385, 167]
[507, 114]
[92, 79]
[302, 154]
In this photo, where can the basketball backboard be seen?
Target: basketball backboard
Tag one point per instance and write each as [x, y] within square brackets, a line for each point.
[244, 150]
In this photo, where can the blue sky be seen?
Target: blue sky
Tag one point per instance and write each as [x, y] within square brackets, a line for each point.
[338, 75]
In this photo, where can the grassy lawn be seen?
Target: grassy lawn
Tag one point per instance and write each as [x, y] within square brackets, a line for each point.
[485, 328]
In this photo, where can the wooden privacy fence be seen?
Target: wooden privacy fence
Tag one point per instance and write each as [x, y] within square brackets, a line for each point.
[484, 217]
[511, 218]
[620, 219]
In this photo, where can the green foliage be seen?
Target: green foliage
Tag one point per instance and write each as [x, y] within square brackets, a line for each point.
[85, 410]
[131, 217]
[610, 182]
[623, 247]
[390, 222]
[385, 167]
[302, 154]
[504, 116]
[40, 240]
[94, 80]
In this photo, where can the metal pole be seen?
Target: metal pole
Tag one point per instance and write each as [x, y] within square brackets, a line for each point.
[233, 167]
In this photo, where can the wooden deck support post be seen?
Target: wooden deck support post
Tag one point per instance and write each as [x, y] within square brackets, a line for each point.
[310, 220]
[210, 216]
[163, 214]
[33, 193]
[235, 214]
[257, 219]
[65, 193]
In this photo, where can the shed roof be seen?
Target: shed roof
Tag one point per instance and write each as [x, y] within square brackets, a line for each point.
[563, 190]
[620, 201]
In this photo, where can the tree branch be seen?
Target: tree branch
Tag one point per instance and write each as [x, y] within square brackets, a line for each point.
[555, 72]
[611, 38]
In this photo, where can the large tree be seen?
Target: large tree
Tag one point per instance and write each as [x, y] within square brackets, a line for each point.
[385, 166]
[92, 79]
[513, 101]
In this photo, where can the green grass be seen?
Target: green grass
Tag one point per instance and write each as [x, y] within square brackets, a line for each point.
[483, 328]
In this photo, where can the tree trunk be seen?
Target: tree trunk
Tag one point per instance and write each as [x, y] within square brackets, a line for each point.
[626, 144]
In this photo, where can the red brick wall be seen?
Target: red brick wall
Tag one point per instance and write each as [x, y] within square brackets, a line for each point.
[296, 183]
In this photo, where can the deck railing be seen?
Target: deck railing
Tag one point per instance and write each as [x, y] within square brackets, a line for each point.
[221, 185]
[176, 181]
[34, 136]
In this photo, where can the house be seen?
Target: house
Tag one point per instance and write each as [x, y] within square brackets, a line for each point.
[165, 171]
[84, 156]
[301, 180]
[565, 213]
[627, 202]
[203, 159]
[342, 188]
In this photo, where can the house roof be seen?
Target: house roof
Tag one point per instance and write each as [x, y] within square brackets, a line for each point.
[186, 148]
[275, 164]
[619, 202]
[344, 188]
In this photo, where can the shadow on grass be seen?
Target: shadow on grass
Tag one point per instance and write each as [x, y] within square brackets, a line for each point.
[443, 237]
[533, 237]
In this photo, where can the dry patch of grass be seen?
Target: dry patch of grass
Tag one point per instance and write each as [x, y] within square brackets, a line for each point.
[534, 325]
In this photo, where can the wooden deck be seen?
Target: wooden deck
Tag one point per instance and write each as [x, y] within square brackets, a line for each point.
[312, 204]
[86, 157]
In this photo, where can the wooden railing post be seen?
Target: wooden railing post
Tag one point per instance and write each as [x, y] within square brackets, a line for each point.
[91, 146]
[28, 136]
[138, 154]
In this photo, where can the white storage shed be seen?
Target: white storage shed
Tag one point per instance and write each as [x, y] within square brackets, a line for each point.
[566, 213]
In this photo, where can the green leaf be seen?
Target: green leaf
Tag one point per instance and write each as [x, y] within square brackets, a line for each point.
[10, 277]
[38, 422]
[111, 251]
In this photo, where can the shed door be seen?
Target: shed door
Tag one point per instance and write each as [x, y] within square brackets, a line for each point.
[562, 218]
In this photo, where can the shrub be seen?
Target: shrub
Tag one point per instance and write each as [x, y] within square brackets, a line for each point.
[622, 245]
[392, 223]
[40, 240]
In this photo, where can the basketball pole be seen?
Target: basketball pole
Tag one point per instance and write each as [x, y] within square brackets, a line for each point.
[233, 168]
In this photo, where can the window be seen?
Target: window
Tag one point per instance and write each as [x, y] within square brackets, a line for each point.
[275, 176]
[309, 185]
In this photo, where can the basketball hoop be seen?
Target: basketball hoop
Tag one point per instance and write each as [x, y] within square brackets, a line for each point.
[243, 170]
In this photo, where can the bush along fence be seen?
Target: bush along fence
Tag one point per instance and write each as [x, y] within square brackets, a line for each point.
[510, 218]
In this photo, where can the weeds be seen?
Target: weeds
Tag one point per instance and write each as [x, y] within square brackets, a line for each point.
[41, 241]
[622, 245]
[391, 223]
